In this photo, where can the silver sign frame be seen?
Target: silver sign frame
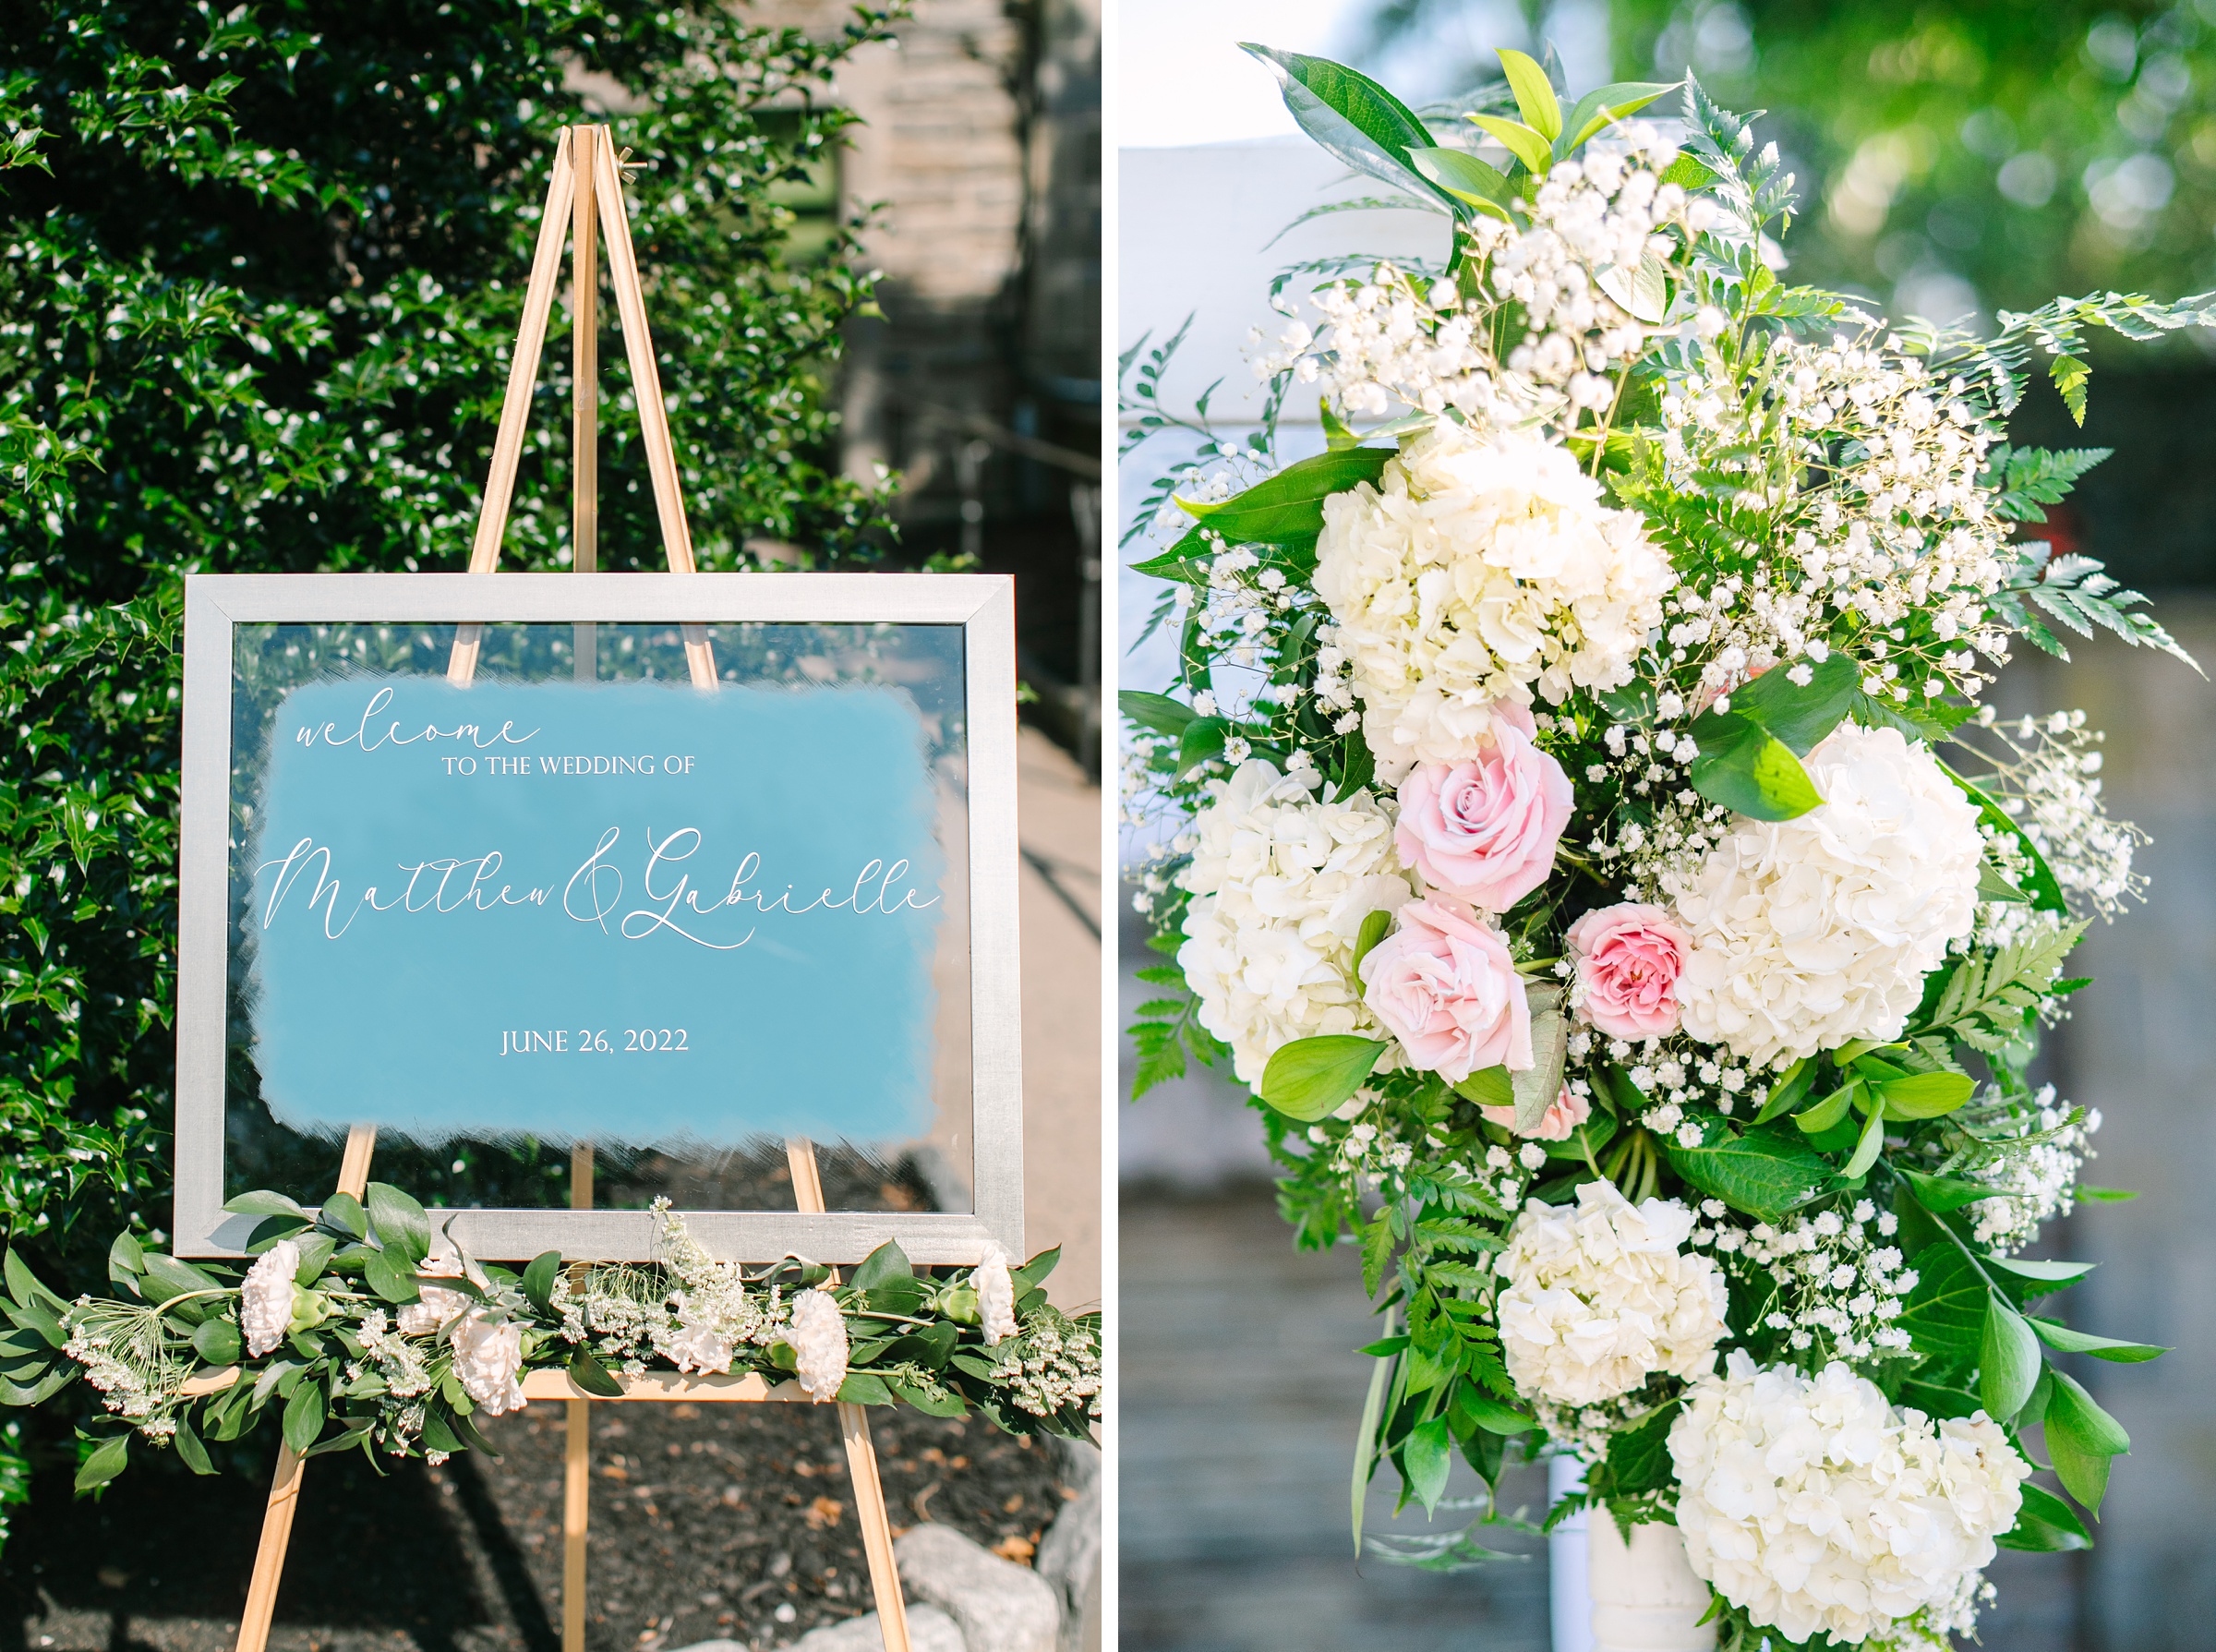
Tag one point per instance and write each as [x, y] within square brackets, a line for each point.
[984, 605]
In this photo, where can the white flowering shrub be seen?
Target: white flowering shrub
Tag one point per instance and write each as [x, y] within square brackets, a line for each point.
[1637, 618]
[1814, 1507]
[1602, 1294]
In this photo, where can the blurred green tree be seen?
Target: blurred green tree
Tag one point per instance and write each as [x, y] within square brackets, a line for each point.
[1971, 156]
[262, 269]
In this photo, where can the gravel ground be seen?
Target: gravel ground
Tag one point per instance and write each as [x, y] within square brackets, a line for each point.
[708, 1521]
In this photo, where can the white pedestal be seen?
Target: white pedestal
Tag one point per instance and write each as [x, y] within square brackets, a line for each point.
[1571, 1606]
[1646, 1598]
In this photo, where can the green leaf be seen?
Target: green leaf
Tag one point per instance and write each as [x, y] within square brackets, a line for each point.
[2008, 1361]
[2041, 886]
[1480, 1410]
[1351, 116]
[391, 1279]
[304, 1417]
[2100, 1348]
[1869, 1146]
[1829, 1111]
[190, 1450]
[862, 1388]
[1538, 1086]
[1534, 94]
[931, 1402]
[104, 1462]
[217, 1342]
[1926, 1095]
[1426, 1457]
[2081, 1437]
[1201, 742]
[1373, 931]
[1366, 1444]
[1377, 1250]
[167, 1279]
[1158, 712]
[2069, 375]
[2044, 1524]
[1746, 769]
[1466, 178]
[1604, 104]
[127, 1259]
[1488, 1087]
[1638, 1457]
[262, 1202]
[1942, 1193]
[399, 1221]
[1033, 1273]
[1945, 1312]
[1765, 1173]
[1787, 1091]
[538, 1279]
[887, 1261]
[2046, 1273]
[343, 1211]
[2106, 1195]
[589, 1374]
[1287, 509]
[1799, 715]
[1310, 1076]
[1536, 152]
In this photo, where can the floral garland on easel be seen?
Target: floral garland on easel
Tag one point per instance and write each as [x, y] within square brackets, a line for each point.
[1549, 827]
[361, 1328]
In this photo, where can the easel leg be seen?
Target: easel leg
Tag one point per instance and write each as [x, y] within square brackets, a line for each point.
[862, 1456]
[576, 1494]
[269, 1559]
[285, 1488]
[577, 1462]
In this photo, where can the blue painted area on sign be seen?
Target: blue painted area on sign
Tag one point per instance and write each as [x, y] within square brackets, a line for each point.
[627, 912]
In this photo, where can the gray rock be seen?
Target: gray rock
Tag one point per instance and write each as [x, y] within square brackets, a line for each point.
[999, 1606]
[928, 1630]
[1069, 1555]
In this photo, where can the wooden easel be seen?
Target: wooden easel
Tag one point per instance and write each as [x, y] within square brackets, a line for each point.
[586, 194]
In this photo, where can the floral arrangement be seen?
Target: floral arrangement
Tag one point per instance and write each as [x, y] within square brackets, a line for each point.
[361, 1327]
[1579, 824]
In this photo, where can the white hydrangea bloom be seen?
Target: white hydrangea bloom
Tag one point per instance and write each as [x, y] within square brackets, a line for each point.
[1810, 933]
[1814, 1506]
[1479, 570]
[489, 1360]
[818, 1335]
[996, 1295]
[265, 1299]
[1282, 883]
[1601, 1296]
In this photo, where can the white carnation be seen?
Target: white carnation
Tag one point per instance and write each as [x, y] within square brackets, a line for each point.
[1814, 1505]
[489, 1360]
[697, 1348]
[1809, 934]
[818, 1335]
[1281, 884]
[996, 1295]
[1600, 1297]
[265, 1299]
[435, 1306]
[1480, 570]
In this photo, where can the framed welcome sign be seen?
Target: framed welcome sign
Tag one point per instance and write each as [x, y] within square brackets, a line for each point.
[587, 890]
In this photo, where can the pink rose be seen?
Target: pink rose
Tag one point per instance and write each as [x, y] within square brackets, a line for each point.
[1485, 830]
[1569, 1110]
[1444, 985]
[1628, 960]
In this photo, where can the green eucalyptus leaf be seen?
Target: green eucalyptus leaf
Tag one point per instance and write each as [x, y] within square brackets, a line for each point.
[1311, 1076]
